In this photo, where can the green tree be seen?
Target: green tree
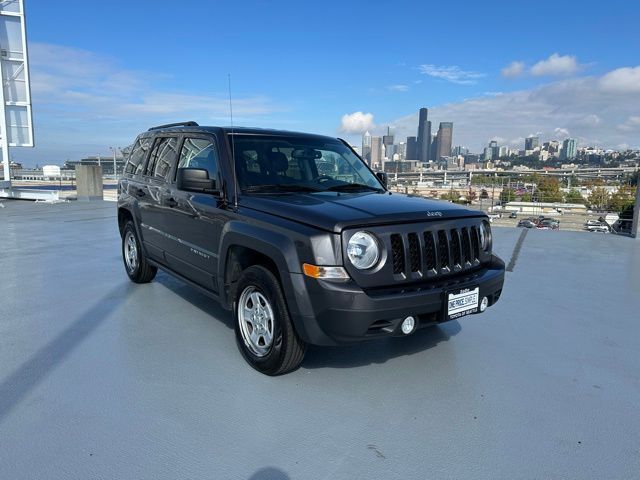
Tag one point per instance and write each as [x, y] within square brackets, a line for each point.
[527, 197]
[598, 198]
[507, 195]
[574, 196]
[548, 189]
[451, 195]
[623, 198]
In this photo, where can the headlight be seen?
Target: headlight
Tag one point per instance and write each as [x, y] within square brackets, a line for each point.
[363, 250]
[485, 236]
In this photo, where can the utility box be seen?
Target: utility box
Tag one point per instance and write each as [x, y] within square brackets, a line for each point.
[89, 182]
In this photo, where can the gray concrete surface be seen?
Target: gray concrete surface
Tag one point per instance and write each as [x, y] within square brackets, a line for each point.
[89, 182]
[101, 378]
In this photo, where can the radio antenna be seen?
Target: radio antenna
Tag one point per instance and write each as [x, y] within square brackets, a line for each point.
[233, 150]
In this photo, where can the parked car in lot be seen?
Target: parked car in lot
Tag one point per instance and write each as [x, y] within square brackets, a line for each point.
[299, 239]
[600, 227]
[526, 224]
[549, 224]
[513, 215]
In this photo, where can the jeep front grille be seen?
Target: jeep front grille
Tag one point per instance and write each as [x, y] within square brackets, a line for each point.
[435, 253]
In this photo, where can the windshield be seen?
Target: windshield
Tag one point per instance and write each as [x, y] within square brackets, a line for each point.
[277, 164]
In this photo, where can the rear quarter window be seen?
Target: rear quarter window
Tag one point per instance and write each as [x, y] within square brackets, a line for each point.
[135, 162]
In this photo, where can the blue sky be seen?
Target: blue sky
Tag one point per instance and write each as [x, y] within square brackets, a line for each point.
[103, 71]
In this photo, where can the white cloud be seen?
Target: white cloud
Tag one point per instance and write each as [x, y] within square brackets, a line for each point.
[561, 133]
[631, 124]
[589, 120]
[556, 65]
[451, 73]
[514, 69]
[570, 103]
[398, 88]
[357, 122]
[88, 102]
[622, 80]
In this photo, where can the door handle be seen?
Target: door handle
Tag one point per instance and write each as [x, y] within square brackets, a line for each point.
[171, 202]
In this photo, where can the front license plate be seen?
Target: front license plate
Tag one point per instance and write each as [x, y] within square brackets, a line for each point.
[462, 302]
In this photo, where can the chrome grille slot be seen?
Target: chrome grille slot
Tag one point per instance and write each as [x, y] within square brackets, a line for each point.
[475, 242]
[397, 253]
[455, 248]
[414, 252]
[429, 251]
[466, 246]
[443, 249]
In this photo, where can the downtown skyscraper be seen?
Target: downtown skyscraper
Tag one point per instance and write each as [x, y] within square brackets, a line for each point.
[424, 136]
[445, 137]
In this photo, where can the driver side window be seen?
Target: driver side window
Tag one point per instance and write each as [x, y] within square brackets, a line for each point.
[199, 153]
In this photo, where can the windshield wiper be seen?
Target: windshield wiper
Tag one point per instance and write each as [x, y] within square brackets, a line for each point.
[348, 187]
[280, 188]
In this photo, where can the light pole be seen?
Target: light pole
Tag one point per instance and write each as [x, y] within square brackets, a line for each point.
[115, 169]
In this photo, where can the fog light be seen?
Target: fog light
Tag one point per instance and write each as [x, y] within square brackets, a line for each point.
[408, 325]
[484, 304]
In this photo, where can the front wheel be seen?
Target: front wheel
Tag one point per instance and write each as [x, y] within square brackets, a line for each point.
[135, 263]
[264, 331]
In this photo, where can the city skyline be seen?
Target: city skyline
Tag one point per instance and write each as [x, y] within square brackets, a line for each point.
[95, 86]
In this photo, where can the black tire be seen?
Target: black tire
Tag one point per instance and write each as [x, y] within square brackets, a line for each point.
[287, 349]
[139, 271]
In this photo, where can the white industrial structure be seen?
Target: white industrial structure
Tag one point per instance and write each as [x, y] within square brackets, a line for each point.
[16, 125]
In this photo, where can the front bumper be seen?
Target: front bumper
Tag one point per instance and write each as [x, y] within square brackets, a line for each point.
[330, 313]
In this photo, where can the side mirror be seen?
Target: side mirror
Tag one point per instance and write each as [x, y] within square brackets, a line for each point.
[196, 180]
[382, 176]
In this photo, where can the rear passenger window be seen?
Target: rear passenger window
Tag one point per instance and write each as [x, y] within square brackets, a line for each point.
[162, 158]
[135, 162]
[199, 153]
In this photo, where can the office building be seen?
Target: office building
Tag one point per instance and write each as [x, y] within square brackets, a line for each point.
[424, 135]
[366, 147]
[412, 149]
[531, 143]
[376, 152]
[433, 149]
[569, 148]
[445, 137]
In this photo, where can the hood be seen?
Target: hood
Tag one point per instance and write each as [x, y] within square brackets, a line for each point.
[335, 211]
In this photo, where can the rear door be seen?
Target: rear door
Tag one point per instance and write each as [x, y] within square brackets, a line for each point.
[156, 190]
[195, 220]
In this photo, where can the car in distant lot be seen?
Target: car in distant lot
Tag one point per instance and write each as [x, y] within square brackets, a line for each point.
[548, 224]
[593, 222]
[600, 227]
[526, 224]
[513, 215]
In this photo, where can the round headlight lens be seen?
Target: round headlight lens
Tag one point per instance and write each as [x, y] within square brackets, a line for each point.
[485, 236]
[363, 250]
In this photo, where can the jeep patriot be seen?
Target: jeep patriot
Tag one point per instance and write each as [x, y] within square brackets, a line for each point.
[299, 239]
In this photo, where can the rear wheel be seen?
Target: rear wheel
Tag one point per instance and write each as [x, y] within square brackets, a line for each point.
[135, 263]
[264, 331]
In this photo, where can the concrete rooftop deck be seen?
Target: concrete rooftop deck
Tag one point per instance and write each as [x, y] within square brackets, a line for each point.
[101, 378]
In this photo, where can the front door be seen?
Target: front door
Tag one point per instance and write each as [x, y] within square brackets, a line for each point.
[195, 220]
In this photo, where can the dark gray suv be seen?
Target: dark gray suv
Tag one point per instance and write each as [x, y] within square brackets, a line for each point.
[299, 239]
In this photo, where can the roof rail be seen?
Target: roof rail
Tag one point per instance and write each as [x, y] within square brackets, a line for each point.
[179, 124]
